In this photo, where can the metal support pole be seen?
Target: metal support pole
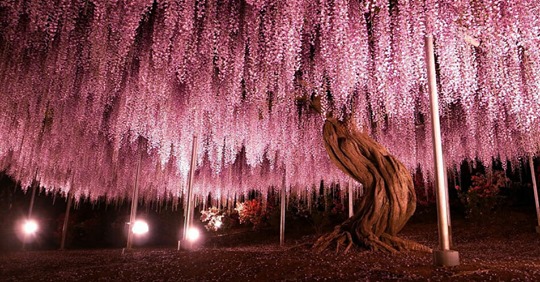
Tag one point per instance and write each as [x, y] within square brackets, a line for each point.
[282, 218]
[310, 198]
[30, 209]
[351, 196]
[134, 203]
[444, 256]
[66, 220]
[449, 222]
[32, 199]
[188, 213]
[535, 189]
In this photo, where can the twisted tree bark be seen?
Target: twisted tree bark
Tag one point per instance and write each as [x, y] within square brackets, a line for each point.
[389, 198]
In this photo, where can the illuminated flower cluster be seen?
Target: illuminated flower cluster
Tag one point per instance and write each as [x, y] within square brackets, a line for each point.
[213, 218]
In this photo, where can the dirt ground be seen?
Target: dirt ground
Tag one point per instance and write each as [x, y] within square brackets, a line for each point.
[505, 249]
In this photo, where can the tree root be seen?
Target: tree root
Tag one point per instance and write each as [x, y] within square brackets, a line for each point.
[404, 244]
[386, 242]
[325, 241]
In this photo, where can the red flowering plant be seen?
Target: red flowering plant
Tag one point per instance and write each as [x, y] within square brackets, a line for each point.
[254, 212]
[484, 194]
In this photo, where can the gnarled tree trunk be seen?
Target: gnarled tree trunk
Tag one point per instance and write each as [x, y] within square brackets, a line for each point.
[389, 198]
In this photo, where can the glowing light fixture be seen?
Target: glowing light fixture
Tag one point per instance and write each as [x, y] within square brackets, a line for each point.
[140, 227]
[193, 234]
[30, 227]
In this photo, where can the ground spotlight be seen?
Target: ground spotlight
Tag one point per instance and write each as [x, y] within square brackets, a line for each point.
[193, 234]
[140, 227]
[30, 227]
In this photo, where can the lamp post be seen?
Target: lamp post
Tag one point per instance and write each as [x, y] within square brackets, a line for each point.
[443, 256]
[282, 217]
[188, 213]
[535, 190]
[32, 200]
[134, 203]
[30, 226]
[66, 219]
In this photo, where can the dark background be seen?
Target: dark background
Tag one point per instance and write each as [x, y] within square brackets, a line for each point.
[102, 223]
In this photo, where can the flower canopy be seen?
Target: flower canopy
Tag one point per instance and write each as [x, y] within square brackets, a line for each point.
[91, 88]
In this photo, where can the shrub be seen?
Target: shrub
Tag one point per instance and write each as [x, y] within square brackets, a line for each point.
[483, 196]
[253, 212]
[213, 218]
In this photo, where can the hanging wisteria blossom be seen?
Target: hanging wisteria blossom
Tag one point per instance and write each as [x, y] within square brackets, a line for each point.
[90, 89]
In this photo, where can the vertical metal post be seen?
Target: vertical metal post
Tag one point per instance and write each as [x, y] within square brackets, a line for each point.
[310, 199]
[444, 256]
[134, 203]
[351, 197]
[535, 189]
[30, 208]
[448, 207]
[32, 199]
[66, 219]
[188, 213]
[282, 218]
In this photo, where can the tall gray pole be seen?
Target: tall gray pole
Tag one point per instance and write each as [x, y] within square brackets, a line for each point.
[444, 256]
[535, 190]
[31, 207]
[134, 203]
[282, 218]
[32, 199]
[66, 219]
[188, 213]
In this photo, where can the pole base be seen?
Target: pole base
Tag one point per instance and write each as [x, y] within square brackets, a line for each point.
[445, 258]
[537, 229]
[188, 245]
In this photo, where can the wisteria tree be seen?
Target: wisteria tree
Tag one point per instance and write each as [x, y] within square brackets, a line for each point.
[389, 198]
[82, 80]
